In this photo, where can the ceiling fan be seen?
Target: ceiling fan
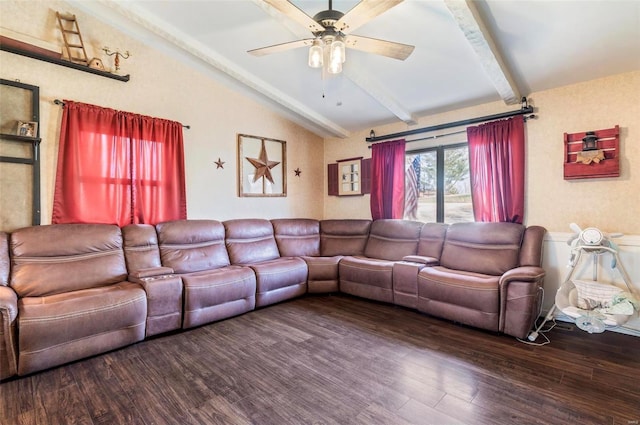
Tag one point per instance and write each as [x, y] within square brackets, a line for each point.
[331, 31]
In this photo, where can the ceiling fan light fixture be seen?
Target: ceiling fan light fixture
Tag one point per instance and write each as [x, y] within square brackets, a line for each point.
[338, 50]
[315, 54]
[335, 66]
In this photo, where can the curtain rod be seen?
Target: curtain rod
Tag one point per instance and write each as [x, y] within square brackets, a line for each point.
[525, 109]
[61, 103]
[437, 136]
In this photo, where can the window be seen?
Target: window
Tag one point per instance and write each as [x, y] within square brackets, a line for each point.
[442, 190]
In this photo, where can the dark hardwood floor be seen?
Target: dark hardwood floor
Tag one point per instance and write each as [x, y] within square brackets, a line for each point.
[340, 360]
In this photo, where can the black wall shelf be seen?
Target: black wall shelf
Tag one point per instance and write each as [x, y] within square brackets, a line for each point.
[34, 160]
[62, 62]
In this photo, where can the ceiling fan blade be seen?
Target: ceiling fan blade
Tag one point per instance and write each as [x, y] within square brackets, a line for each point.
[362, 13]
[379, 47]
[290, 10]
[276, 48]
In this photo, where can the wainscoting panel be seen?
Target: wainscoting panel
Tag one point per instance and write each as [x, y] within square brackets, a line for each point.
[556, 260]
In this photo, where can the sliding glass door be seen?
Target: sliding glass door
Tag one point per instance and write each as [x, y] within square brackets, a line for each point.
[442, 184]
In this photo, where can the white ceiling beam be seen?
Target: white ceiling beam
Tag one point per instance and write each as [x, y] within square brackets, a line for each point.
[377, 92]
[203, 53]
[478, 36]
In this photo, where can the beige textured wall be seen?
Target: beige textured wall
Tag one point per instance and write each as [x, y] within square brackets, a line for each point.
[612, 204]
[163, 87]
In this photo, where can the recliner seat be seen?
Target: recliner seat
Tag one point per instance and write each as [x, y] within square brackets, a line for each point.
[213, 288]
[483, 275]
[371, 275]
[251, 242]
[73, 297]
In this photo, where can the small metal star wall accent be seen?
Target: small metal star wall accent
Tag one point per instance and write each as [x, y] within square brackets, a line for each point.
[219, 164]
[297, 171]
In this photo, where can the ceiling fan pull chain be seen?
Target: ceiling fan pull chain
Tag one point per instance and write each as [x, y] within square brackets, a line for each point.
[322, 79]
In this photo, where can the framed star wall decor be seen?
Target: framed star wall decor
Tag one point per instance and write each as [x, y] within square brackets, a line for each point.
[262, 166]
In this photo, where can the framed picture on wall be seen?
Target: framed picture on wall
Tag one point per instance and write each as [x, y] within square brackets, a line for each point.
[262, 166]
[27, 128]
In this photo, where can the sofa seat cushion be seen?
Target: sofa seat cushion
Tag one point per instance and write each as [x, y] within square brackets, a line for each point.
[60, 328]
[218, 294]
[466, 297]
[367, 277]
[323, 274]
[280, 279]
[323, 268]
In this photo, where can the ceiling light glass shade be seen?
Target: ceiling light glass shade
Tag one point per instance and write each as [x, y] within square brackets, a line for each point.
[335, 67]
[315, 54]
[338, 52]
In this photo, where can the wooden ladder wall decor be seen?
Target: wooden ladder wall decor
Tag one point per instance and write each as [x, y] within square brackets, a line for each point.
[72, 38]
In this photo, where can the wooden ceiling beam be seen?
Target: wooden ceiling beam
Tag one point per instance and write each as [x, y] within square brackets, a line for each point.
[177, 43]
[478, 36]
[377, 92]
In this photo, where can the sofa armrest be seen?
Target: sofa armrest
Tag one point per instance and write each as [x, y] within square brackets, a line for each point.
[142, 274]
[8, 303]
[8, 315]
[520, 300]
[420, 259]
[523, 274]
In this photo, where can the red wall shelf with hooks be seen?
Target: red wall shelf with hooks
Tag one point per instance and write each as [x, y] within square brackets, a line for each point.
[608, 140]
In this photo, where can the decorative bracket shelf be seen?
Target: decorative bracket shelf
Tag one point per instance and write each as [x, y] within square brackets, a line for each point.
[7, 45]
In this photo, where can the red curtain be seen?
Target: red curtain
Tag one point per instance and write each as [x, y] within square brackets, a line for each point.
[387, 180]
[496, 163]
[118, 167]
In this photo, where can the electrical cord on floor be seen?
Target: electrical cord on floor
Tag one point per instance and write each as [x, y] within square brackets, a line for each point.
[540, 333]
[534, 335]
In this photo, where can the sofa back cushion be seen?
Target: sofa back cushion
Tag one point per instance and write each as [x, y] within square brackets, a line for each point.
[531, 250]
[140, 247]
[392, 239]
[250, 240]
[343, 237]
[192, 245]
[432, 239]
[297, 237]
[488, 248]
[5, 264]
[58, 258]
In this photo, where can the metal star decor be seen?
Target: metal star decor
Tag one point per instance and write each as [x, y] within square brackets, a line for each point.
[219, 163]
[297, 171]
[263, 165]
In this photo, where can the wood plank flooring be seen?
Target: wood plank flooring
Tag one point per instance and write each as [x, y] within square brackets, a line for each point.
[339, 360]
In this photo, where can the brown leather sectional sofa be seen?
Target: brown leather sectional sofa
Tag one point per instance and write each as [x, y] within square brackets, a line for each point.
[71, 291]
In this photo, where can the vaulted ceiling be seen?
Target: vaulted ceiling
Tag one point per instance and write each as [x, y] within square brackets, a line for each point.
[466, 52]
